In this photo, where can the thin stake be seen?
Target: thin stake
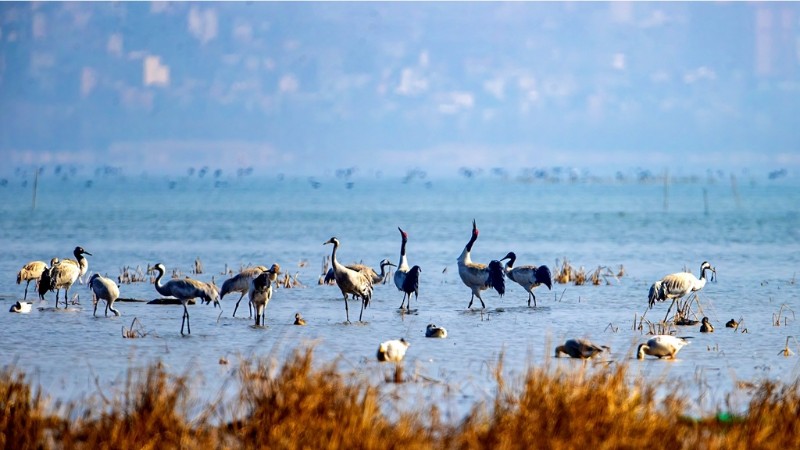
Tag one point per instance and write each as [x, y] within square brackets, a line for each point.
[35, 186]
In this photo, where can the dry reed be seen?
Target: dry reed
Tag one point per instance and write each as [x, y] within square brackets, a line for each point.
[300, 405]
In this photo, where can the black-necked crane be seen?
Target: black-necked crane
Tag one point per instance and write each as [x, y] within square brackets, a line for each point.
[402, 265]
[104, 289]
[411, 286]
[529, 277]
[476, 276]
[80, 261]
[433, 331]
[185, 290]
[392, 351]
[31, 272]
[678, 285]
[661, 346]
[260, 293]
[706, 326]
[580, 348]
[241, 283]
[350, 281]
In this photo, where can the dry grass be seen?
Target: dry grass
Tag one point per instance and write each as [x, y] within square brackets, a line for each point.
[566, 273]
[299, 405]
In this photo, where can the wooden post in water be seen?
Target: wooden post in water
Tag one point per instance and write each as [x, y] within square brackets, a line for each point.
[35, 187]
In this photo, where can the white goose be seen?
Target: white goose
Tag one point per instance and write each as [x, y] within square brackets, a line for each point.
[392, 351]
[662, 346]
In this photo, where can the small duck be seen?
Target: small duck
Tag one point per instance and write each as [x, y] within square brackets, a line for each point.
[432, 331]
[662, 346]
[298, 319]
[21, 307]
[393, 350]
[731, 324]
[579, 348]
[706, 327]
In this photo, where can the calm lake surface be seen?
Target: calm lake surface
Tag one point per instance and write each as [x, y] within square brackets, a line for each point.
[749, 229]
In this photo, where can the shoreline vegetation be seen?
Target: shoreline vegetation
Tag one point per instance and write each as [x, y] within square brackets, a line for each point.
[302, 404]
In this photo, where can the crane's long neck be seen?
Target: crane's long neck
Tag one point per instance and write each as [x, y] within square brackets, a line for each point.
[403, 260]
[510, 263]
[465, 255]
[334, 262]
[159, 286]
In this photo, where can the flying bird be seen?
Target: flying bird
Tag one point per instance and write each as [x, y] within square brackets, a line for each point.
[529, 277]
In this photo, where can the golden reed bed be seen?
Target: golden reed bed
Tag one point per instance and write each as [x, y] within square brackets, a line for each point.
[302, 406]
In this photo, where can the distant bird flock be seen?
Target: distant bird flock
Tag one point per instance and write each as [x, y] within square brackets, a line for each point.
[357, 282]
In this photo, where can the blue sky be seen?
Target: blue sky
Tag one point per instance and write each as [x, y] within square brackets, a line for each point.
[309, 88]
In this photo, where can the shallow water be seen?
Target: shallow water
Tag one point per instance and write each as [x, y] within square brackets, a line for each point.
[750, 235]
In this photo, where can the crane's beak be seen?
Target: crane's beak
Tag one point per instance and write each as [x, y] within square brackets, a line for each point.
[87, 253]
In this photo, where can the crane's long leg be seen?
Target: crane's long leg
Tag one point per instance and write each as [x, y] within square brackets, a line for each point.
[186, 320]
[404, 300]
[26, 290]
[58, 291]
[361, 314]
[668, 309]
[346, 308]
[237, 306]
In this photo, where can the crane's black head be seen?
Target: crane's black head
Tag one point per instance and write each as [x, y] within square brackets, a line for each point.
[707, 265]
[474, 229]
[511, 256]
[275, 269]
[403, 234]
[386, 262]
[332, 240]
[80, 251]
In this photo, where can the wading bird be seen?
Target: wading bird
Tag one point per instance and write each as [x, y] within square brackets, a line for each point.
[529, 277]
[678, 285]
[80, 261]
[392, 351]
[185, 290]
[105, 289]
[375, 277]
[402, 265]
[260, 293]
[662, 346]
[432, 331]
[706, 327]
[580, 348]
[21, 307]
[479, 277]
[31, 272]
[411, 286]
[241, 283]
[350, 281]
